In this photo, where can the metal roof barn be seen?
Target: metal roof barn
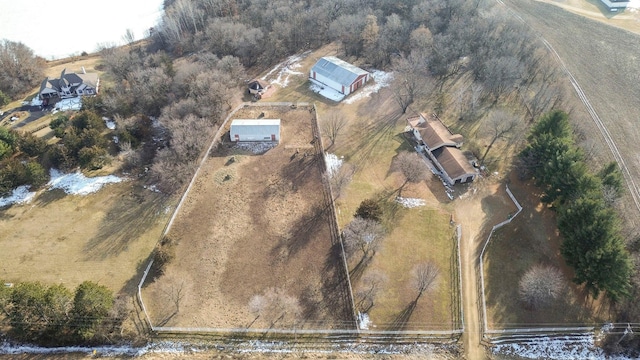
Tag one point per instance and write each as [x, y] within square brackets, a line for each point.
[255, 130]
[338, 74]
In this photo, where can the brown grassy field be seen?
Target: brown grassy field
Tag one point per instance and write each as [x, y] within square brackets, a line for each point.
[252, 223]
[594, 9]
[531, 239]
[104, 237]
[604, 61]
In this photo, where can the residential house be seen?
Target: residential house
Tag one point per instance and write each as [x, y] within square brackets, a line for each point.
[443, 149]
[69, 85]
[338, 74]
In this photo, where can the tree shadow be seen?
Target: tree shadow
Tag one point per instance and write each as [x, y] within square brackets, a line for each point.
[49, 197]
[129, 218]
[302, 232]
[335, 288]
[402, 319]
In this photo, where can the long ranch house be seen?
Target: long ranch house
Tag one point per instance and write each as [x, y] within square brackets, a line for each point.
[443, 148]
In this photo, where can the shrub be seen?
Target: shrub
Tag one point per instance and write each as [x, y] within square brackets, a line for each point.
[369, 209]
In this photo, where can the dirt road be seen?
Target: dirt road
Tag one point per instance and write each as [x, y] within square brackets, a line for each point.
[473, 216]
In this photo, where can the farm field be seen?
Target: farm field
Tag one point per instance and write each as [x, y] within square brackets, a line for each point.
[609, 81]
[596, 10]
[253, 222]
[104, 237]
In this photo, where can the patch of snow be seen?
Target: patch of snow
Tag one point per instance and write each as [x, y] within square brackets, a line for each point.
[152, 187]
[36, 101]
[333, 163]
[69, 104]
[554, 348]
[285, 70]
[78, 184]
[325, 91]
[363, 321]
[19, 195]
[111, 125]
[381, 79]
[258, 147]
[410, 202]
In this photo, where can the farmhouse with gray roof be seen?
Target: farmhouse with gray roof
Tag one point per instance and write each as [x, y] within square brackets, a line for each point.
[338, 74]
[69, 85]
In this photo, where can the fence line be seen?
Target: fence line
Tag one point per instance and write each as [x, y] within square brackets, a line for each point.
[494, 228]
[548, 331]
[458, 236]
[144, 308]
[334, 217]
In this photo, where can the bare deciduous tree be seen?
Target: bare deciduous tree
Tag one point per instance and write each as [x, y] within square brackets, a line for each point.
[411, 78]
[362, 235]
[500, 125]
[411, 166]
[424, 277]
[20, 68]
[129, 37]
[340, 178]
[275, 305]
[540, 286]
[332, 126]
[370, 286]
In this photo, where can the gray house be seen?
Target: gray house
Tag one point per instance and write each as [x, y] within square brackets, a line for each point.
[69, 85]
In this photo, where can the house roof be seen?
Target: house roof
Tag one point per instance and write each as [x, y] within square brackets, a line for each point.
[257, 84]
[453, 162]
[338, 70]
[434, 133]
[255, 122]
[89, 79]
[73, 78]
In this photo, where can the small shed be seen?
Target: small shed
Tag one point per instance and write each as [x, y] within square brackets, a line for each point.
[257, 86]
[255, 130]
[338, 74]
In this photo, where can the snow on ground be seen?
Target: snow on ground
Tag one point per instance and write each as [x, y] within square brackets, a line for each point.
[381, 79]
[285, 70]
[36, 101]
[69, 104]
[363, 321]
[333, 163]
[78, 184]
[111, 125]
[555, 348]
[410, 202]
[19, 195]
[258, 147]
[325, 91]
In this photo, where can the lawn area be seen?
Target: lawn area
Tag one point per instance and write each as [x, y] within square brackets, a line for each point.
[102, 237]
[529, 240]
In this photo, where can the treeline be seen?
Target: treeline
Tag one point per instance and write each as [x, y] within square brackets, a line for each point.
[54, 315]
[20, 70]
[26, 159]
[592, 245]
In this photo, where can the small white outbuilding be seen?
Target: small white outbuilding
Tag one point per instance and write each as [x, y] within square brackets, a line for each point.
[255, 130]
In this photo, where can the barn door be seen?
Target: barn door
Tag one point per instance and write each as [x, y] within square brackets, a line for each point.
[237, 137]
[273, 137]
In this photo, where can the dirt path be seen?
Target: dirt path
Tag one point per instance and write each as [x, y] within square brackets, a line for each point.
[472, 215]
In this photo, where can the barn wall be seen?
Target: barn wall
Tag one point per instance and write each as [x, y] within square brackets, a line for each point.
[254, 132]
[330, 83]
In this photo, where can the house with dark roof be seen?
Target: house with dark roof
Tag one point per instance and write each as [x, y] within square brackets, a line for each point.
[69, 85]
[338, 74]
[443, 149]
